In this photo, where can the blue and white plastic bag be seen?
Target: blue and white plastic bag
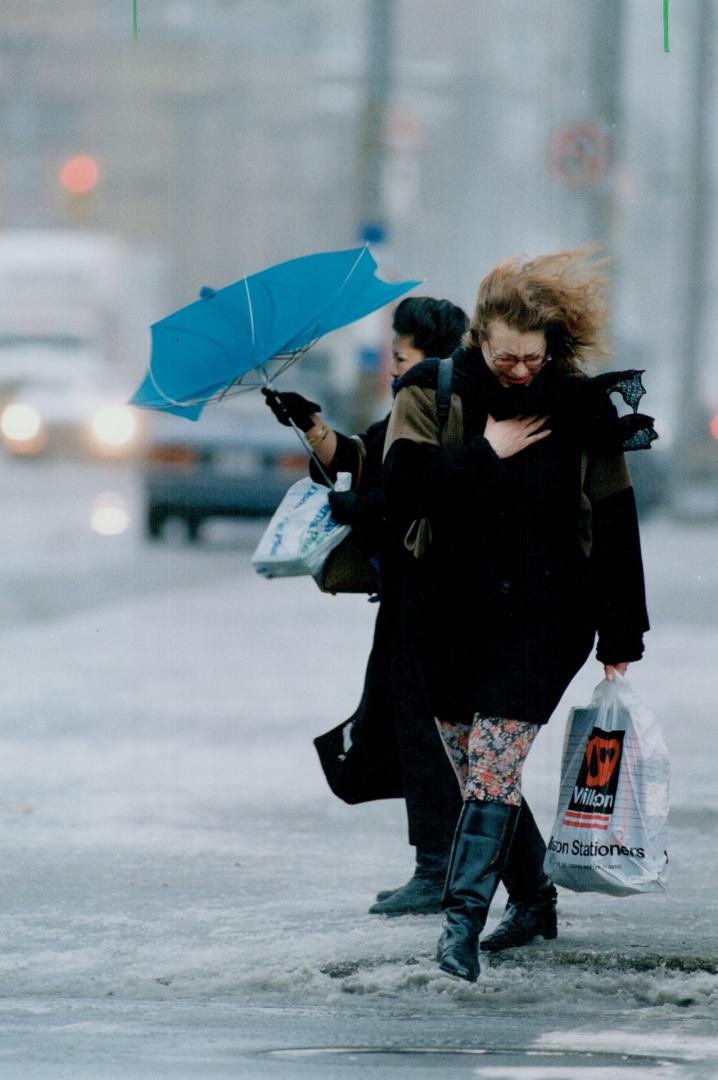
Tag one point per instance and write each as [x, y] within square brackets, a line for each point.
[302, 531]
[610, 832]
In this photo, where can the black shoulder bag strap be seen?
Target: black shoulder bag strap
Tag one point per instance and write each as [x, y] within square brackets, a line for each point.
[418, 537]
[443, 392]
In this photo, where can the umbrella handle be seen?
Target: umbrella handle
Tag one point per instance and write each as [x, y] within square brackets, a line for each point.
[300, 434]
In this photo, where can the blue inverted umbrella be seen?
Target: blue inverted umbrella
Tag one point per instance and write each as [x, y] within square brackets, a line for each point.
[245, 335]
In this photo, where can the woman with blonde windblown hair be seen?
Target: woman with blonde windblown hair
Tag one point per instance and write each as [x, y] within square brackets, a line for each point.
[523, 528]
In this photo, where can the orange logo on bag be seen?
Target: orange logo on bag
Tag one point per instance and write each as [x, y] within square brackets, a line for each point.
[602, 757]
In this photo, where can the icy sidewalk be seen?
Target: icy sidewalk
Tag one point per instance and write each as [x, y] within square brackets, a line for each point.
[168, 836]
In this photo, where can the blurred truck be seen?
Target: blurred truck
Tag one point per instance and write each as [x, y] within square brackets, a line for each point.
[74, 311]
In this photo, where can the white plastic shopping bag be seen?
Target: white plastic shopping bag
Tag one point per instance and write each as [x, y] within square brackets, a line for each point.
[302, 531]
[610, 833]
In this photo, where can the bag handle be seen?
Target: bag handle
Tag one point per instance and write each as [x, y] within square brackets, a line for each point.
[444, 383]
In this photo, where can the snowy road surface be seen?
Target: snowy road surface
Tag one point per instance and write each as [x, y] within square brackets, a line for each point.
[182, 895]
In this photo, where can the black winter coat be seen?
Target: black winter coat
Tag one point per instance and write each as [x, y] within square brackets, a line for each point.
[389, 747]
[530, 555]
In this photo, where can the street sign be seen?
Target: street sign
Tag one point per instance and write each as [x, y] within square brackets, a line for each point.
[580, 155]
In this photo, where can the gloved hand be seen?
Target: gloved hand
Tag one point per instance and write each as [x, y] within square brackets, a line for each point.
[343, 506]
[290, 406]
[349, 508]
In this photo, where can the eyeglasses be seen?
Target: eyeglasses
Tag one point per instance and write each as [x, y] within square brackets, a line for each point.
[506, 361]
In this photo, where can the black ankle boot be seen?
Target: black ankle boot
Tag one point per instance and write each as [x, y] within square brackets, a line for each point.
[522, 922]
[481, 845]
[531, 908]
[422, 893]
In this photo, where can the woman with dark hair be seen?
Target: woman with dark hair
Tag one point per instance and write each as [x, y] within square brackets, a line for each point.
[395, 747]
[524, 531]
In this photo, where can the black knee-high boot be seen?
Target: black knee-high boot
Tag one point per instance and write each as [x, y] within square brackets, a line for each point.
[531, 908]
[481, 846]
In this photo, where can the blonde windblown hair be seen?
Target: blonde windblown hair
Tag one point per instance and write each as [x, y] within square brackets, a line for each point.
[564, 294]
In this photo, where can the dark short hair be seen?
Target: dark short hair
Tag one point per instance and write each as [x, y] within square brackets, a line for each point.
[435, 326]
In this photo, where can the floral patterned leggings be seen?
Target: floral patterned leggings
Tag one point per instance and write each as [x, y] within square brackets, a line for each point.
[488, 756]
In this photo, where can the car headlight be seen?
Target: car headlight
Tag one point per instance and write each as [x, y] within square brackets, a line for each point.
[114, 425]
[20, 423]
[110, 516]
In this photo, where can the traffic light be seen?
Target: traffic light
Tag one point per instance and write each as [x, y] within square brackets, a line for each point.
[79, 175]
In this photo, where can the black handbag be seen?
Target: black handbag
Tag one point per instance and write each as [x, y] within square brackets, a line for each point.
[348, 570]
[364, 770]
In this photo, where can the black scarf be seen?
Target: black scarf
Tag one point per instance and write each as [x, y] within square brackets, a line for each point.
[578, 406]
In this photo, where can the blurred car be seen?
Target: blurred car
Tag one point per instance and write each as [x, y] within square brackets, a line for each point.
[235, 461]
[69, 410]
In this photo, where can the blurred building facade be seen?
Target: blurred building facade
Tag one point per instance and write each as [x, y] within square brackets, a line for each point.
[233, 133]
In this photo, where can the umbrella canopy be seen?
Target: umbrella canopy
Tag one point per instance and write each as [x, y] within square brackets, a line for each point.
[244, 335]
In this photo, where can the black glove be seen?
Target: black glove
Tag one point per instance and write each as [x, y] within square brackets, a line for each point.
[289, 406]
[349, 508]
[343, 506]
